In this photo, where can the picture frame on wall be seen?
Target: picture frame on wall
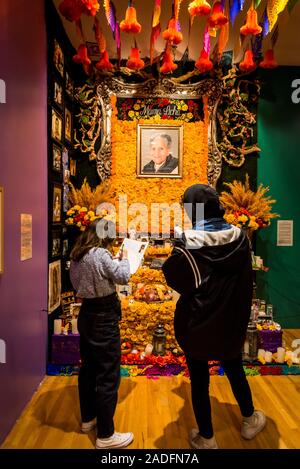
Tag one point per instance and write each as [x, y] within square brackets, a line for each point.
[72, 167]
[65, 248]
[57, 203]
[54, 285]
[159, 151]
[68, 125]
[57, 93]
[56, 126]
[69, 86]
[58, 58]
[1, 230]
[56, 158]
[56, 243]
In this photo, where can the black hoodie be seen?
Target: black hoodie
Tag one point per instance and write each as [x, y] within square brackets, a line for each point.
[214, 277]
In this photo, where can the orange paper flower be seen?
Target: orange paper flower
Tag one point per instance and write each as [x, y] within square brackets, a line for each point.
[269, 60]
[168, 64]
[172, 34]
[82, 56]
[130, 24]
[104, 63]
[135, 62]
[251, 26]
[217, 18]
[204, 64]
[248, 64]
[199, 8]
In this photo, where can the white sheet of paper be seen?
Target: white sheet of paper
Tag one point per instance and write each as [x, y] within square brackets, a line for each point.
[136, 250]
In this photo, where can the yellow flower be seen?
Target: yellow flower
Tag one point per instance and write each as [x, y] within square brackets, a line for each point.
[69, 221]
[76, 207]
[136, 107]
[230, 218]
[131, 113]
[70, 212]
[189, 115]
[91, 213]
[243, 218]
[253, 224]
[78, 224]
[83, 209]
[185, 107]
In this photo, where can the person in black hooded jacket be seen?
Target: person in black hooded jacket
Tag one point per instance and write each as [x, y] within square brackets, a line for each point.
[210, 267]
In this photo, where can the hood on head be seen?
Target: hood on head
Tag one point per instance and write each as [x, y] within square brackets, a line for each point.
[203, 194]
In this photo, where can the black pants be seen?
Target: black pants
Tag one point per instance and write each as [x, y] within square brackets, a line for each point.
[100, 350]
[199, 375]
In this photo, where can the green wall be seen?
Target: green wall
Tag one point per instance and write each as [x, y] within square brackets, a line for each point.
[279, 168]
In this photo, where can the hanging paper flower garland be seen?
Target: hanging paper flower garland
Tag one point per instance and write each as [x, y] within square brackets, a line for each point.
[217, 18]
[172, 34]
[73, 9]
[130, 24]
[199, 8]
[168, 66]
[135, 62]
[269, 61]
[82, 56]
[204, 64]
[248, 64]
[251, 26]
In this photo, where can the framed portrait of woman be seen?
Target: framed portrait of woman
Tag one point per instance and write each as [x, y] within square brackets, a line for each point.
[58, 58]
[68, 125]
[54, 285]
[159, 151]
[56, 127]
[56, 203]
[56, 158]
[57, 93]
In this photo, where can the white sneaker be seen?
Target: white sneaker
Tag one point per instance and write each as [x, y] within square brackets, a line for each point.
[86, 427]
[117, 440]
[251, 426]
[199, 442]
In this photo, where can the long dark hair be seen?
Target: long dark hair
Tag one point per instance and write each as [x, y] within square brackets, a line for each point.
[99, 234]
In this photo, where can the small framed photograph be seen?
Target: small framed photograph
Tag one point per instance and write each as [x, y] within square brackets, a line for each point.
[68, 125]
[66, 176]
[72, 167]
[54, 285]
[56, 127]
[57, 93]
[65, 248]
[56, 203]
[159, 151]
[69, 86]
[56, 158]
[56, 243]
[58, 58]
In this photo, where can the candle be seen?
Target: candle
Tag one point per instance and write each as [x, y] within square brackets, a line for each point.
[268, 357]
[74, 326]
[261, 354]
[148, 349]
[280, 354]
[57, 326]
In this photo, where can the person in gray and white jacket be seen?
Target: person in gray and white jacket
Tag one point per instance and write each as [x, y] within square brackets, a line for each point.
[94, 275]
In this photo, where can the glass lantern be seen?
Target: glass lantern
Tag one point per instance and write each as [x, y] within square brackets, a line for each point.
[251, 343]
[159, 340]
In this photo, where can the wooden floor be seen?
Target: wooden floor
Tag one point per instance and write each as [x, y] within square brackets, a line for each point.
[159, 412]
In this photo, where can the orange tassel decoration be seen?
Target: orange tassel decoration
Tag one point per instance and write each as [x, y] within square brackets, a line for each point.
[199, 8]
[104, 63]
[217, 18]
[134, 62]
[269, 60]
[172, 34]
[248, 64]
[204, 64]
[168, 65]
[130, 24]
[251, 26]
[82, 55]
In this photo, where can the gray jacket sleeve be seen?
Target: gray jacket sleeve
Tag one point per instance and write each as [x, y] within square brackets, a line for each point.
[115, 270]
